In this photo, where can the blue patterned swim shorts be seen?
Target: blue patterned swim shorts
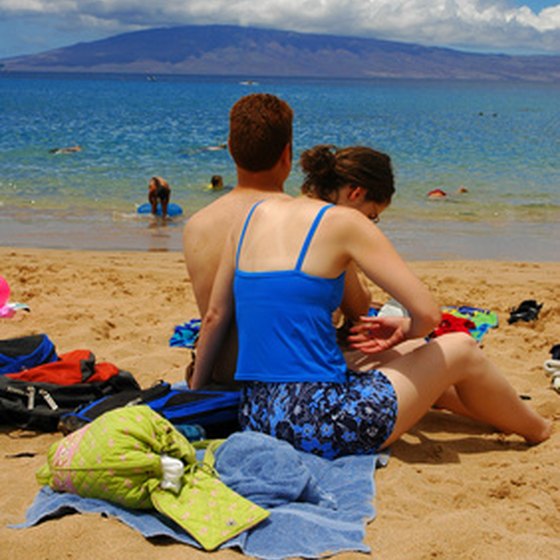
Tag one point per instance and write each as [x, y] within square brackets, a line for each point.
[328, 419]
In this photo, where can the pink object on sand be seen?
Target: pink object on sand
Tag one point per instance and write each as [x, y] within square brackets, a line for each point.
[5, 309]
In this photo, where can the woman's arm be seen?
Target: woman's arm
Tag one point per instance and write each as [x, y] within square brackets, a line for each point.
[216, 320]
[377, 258]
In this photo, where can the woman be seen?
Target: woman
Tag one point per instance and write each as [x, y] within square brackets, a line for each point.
[282, 276]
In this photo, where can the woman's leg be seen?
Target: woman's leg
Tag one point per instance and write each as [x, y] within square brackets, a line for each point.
[358, 361]
[420, 378]
[450, 400]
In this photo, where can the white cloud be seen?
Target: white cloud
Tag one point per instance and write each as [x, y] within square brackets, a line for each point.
[480, 24]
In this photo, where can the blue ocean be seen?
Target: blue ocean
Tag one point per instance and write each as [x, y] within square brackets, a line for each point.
[499, 141]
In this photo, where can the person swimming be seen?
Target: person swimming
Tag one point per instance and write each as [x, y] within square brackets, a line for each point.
[437, 193]
[216, 183]
[440, 193]
[215, 148]
[67, 150]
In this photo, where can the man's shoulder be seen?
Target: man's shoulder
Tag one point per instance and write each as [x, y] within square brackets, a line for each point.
[209, 214]
[213, 221]
[224, 210]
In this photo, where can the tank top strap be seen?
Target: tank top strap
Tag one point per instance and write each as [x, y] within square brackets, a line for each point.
[244, 230]
[310, 235]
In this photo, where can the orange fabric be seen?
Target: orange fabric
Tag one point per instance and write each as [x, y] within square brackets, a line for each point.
[73, 367]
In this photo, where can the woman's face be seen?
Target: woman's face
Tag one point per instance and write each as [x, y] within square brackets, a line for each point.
[372, 210]
[355, 197]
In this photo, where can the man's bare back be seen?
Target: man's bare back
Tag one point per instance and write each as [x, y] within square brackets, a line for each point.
[204, 238]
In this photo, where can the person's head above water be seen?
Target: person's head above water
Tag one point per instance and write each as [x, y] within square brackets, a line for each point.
[350, 176]
[216, 182]
[260, 129]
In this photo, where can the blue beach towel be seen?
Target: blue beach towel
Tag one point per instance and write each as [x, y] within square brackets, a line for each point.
[186, 334]
[323, 509]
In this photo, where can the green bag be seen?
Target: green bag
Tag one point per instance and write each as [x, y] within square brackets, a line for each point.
[134, 457]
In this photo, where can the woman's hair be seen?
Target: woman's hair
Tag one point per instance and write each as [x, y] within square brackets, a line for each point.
[327, 169]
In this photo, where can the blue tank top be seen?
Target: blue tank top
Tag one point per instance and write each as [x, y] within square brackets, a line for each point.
[284, 321]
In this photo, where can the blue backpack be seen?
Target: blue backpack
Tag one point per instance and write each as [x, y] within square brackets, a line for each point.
[215, 411]
[26, 352]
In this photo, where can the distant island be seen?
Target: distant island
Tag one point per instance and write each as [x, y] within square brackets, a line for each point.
[246, 51]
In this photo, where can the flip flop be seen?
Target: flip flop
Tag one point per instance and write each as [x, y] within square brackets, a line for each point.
[528, 310]
[555, 352]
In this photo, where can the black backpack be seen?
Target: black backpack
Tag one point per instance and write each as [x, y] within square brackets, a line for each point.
[36, 398]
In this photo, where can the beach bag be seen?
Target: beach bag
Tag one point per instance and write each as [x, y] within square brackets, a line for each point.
[216, 412]
[17, 354]
[35, 399]
[134, 457]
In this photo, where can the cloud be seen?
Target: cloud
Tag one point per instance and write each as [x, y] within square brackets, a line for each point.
[479, 24]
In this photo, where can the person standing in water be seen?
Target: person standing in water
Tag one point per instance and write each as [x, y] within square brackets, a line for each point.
[159, 191]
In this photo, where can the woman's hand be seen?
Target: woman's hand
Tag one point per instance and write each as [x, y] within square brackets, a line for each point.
[377, 334]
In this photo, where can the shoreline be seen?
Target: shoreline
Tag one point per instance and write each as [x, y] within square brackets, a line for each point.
[415, 239]
[452, 488]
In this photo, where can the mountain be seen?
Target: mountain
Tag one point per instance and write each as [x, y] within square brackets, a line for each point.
[246, 51]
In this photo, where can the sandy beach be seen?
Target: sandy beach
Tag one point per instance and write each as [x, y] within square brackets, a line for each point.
[452, 489]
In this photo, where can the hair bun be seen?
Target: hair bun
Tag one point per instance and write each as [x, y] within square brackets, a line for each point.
[319, 162]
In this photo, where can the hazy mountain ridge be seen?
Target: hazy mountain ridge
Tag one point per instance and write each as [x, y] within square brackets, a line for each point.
[252, 52]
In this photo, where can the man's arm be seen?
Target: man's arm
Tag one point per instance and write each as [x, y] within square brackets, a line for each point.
[216, 321]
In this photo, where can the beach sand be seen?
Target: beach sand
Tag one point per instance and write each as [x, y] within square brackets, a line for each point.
[452, 490]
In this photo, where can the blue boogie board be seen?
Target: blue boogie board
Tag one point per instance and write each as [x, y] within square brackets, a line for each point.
[172, 209]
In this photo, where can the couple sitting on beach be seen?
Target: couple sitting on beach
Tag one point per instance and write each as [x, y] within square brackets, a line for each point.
[268, 270]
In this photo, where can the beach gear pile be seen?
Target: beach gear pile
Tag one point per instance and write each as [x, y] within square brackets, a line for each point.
[134, 457]
[38, 386]
[316, 507]
[134, 454]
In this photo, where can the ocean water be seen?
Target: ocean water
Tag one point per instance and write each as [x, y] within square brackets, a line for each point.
[499, 140]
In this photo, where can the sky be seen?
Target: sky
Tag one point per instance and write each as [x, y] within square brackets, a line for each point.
[504, 26]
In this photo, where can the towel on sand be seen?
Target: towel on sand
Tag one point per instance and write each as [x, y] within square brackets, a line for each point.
[317, 506]
[186, 334]
[483, 319]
